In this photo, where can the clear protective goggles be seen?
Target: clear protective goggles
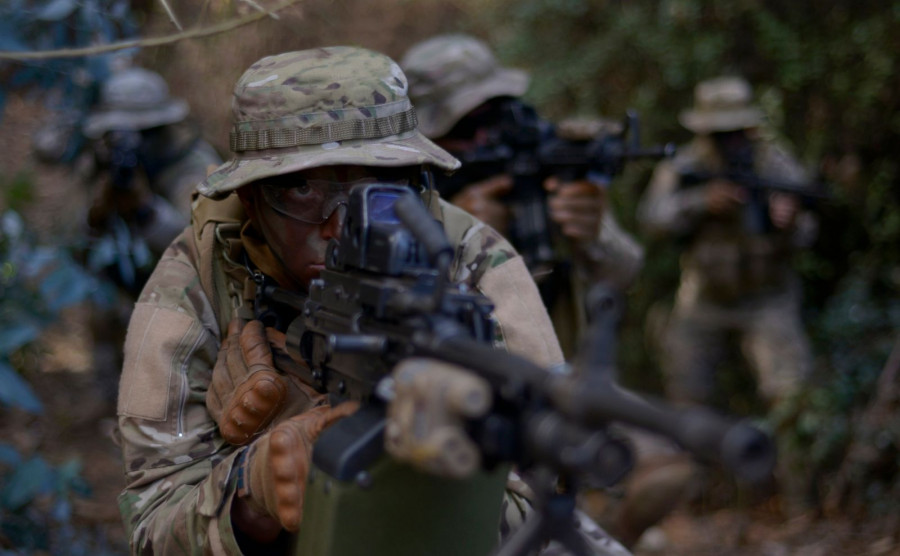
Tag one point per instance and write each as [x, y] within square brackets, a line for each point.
[313, 201]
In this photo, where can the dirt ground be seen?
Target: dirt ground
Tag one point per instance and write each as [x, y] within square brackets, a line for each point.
[79, 422]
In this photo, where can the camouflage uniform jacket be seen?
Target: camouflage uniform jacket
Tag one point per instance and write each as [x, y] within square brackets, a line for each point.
[724, 262]
[179, 471]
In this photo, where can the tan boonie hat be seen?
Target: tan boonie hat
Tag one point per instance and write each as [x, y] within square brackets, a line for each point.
[722, 104]
[450, 75]
[134, 99]
[320, 107]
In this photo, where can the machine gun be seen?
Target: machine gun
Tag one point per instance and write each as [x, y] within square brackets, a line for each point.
[529, 149]
[383, 325]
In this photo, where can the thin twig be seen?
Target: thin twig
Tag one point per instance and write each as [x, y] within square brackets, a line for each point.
[171, 15]
[259, 8]
[140, 43]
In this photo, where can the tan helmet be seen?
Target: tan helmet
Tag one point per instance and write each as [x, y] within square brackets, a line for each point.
[450, 75]
[722, 104]
[134, 99]
[320, 107]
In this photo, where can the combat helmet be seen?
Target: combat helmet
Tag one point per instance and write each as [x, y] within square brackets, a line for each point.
[450, 75]
[722, 104]
[321, 107]
[134, 99]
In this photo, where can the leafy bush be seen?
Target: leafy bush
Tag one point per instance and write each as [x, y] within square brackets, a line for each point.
[36, 284]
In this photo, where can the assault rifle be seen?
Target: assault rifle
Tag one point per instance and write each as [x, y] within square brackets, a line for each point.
[756, 211]
[383, 325]
[530, 149]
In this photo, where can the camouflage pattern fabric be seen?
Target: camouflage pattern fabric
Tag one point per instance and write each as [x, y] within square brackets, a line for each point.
[449, 75]
[335, 105]
[731, 281]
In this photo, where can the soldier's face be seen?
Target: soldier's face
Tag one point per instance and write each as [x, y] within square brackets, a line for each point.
[299, 245]
[299, 213]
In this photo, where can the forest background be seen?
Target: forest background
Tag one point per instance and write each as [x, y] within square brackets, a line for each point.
[825, 73]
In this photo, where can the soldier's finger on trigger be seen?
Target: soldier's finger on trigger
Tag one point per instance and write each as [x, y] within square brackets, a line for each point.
[255, 347]
[234, 360]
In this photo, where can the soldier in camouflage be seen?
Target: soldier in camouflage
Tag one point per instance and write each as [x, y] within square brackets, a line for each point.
[454, 79]
[734, 279]
[216, 441]
[143, 161]
[149, 156]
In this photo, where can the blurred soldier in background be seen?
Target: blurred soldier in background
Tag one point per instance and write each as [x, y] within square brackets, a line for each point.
[736, 200]
[149, 157]
[459, 89]
[143, 160]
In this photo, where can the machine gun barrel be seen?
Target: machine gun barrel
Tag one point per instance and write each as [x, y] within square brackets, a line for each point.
[594, 401]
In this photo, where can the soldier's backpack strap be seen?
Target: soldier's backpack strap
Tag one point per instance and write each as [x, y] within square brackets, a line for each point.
[217, 236]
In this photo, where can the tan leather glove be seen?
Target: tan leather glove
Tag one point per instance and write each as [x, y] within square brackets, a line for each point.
[577, 207]
[277, 466]
[246, 392]
[484, 201]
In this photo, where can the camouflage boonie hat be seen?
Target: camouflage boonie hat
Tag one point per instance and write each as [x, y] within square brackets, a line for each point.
[320, 107]
[450, 75]
[722, 104]
[134, 99]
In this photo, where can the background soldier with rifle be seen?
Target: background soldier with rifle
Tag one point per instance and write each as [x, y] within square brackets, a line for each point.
[141, 161]
[542, 192]
[739, 202]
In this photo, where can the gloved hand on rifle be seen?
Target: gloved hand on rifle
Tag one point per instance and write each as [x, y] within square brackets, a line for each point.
[274, 471]
[484, 201]
[248, 392]
[576, 206]
[246, 395]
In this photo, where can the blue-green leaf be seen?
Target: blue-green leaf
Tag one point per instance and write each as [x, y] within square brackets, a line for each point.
[65, 286]
[14, 335]
[15, 391]
[54, 10]
[9, 455]
[32, 478]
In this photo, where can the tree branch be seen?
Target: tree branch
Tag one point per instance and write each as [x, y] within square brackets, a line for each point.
[148, 42]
